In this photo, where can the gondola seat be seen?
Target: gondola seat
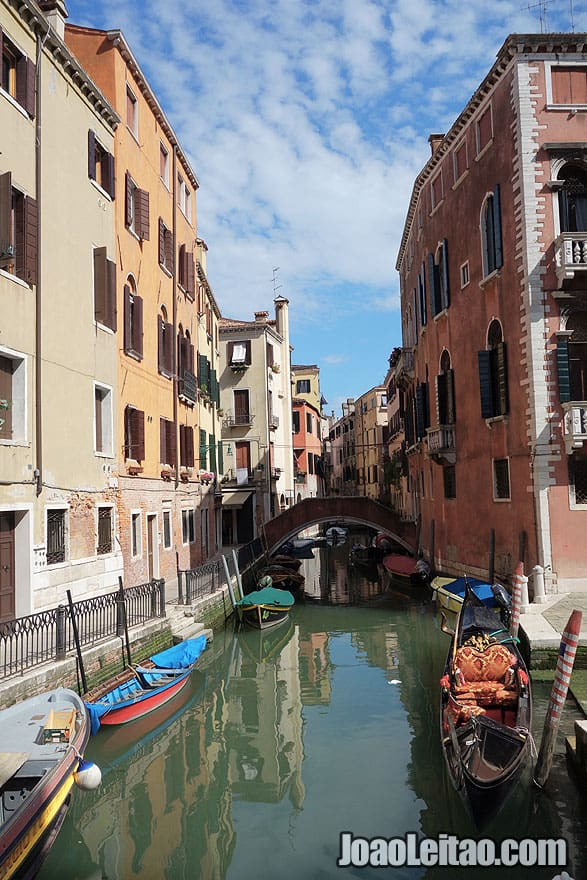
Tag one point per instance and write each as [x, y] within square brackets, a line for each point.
[485, 678]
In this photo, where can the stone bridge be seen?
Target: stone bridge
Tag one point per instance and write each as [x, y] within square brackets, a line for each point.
[337, 510]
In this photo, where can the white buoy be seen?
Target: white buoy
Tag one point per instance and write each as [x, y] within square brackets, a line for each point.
[88, 776]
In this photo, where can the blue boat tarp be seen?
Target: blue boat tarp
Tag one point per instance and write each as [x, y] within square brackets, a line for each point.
[180, 656]
[267, 596]
[481, 589]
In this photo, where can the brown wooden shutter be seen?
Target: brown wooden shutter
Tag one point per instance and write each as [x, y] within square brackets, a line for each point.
[161, 242]
[170, 440]
[29, 257]
[169, 249]
[110, 295]
[129, 187]
[190, 273]
[189, 446]
[229, 352]
[181, 266]
[6, 212]
[91, 155]
[110, 177]
[160, 352]
[138, 326]
[139, 434]
[191, 358]
[25, 84]
[142, 207]
[127, 341]
[169, 348]
[100, 284]
[182, 456]
[162, 442]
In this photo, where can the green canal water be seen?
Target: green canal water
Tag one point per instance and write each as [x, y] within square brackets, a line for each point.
[286, 739]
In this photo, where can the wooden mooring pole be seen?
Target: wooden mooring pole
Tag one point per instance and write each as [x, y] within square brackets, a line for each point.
[558, 695]
[516, 599]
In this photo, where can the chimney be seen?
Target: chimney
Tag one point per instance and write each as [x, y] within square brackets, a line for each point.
[201, 251]
[435, 141]
[55, 12]
[261, 317]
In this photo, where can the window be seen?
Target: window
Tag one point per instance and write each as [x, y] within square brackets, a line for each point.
[270, 354]
[242, 415]
[188, 526]
[186, 446]
[18, 75]
[184, 198]
[132, 112]
[239, 353]
[465, 274]
[578, 477]
[135, 533]
[450, 481]
[18, 231]
[133, 321]
[55, 524]
[102, 419]
[164, 164]
[421, 310]
[438, 279]
[501, 479]
[569, 85]
[484, 130]
[460, 160]
[436, 190]
[295, 422]
[105, 522]
[303, 386]
[491, 233]
[104, 289]
[167, 443]
[242, 452]
[165, 247]
[186, 272]
[572, 198]
[137, 209]
[134, 434]
[572, 359]
[166, 529]
[12, 397]
[203, 450]
[493, 376]
[445, 394]
[164, 344]
[100, 165]
[185, 367]
[309, 423]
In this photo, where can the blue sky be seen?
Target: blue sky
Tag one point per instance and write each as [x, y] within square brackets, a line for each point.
[306, 122]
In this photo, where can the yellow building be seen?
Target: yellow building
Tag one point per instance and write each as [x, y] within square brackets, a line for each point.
[58, 374]
[166, 323]
[370, 425]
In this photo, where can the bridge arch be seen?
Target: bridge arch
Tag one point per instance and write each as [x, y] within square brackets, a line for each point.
[339, 510]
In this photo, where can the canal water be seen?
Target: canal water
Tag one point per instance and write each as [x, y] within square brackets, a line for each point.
[286, 739]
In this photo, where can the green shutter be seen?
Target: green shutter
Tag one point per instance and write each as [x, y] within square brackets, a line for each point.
[203, 456]
[485, 384]
[502, 379]
[562, 362]
[497, 227]
[204, 372]
[212, 448]
[445, 289]
[220, 458]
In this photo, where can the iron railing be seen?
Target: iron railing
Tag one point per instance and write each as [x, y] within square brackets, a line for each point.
[195, 583]
[48, 635]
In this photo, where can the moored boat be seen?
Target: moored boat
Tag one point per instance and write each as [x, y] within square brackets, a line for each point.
[282, 578]
[485, 710]
[286, 561]
[42, 740]
[405, 571]
[265, 608]
[140, 690]
[449, 592]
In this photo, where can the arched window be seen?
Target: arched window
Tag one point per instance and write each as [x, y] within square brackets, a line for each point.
[491, 233]
[572, 198]
[493, 378]
[165, 343]
[133, 319]
[445, 395]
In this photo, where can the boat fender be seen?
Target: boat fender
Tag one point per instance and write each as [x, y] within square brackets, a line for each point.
[88, 776]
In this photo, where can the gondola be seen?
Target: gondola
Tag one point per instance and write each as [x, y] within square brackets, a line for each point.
[485, 710]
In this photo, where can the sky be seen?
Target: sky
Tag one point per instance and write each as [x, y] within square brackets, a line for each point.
[306, 123]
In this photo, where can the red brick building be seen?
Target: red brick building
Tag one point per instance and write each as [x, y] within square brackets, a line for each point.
[493, 274]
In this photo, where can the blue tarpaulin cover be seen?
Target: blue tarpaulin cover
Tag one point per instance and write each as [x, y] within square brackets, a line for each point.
[481, 589]
[182, 655]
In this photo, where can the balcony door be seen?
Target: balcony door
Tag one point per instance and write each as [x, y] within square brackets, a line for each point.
[573, 198]
[241, 407]
[578, 356]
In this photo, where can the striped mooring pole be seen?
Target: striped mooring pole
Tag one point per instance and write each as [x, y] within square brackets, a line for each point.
[558, 695]
[517, 584]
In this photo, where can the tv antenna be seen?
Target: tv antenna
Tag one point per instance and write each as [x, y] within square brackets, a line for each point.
[542, 6]
[276, 286]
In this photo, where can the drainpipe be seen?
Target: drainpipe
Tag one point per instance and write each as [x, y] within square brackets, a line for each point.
[38, 472]
[174, 312]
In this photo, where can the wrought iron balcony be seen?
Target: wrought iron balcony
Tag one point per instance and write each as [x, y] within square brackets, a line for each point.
[442, 444]
[240, 420]
[574, 425]
[570, 255]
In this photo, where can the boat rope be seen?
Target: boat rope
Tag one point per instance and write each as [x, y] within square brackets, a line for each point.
[532, 741]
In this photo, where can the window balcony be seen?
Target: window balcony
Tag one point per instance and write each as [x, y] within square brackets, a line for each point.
[405, 367]
[442, 444]
[273, 421]
[574, 425]
[570, 251]
[240, 420]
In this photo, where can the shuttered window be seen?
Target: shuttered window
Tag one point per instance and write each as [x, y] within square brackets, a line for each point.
[136, 209]
[165, 247]
[491, 233]
[134, 434]
[104, 289]
[186, 446]
[18, 75]
[186, 271]
[18, 231]
[422, 296]
[203, 456]
[445, 401]
[204, 373]
[569, 85]
[239, 353]
[493, 381]
[164, 347]
[460, 160]
[100, 164]
[484, 130]
[167, 443]
[133, 322]
[422, 410]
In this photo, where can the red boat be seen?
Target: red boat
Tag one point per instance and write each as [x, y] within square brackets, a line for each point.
[405, 571]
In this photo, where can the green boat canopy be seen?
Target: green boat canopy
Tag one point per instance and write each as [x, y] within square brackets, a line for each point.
[267, 596]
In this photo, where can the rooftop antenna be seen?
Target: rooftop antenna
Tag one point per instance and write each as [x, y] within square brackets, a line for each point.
[542, 6]
[276, 286]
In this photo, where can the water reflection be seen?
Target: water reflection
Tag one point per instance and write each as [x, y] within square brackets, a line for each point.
[290, 736]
